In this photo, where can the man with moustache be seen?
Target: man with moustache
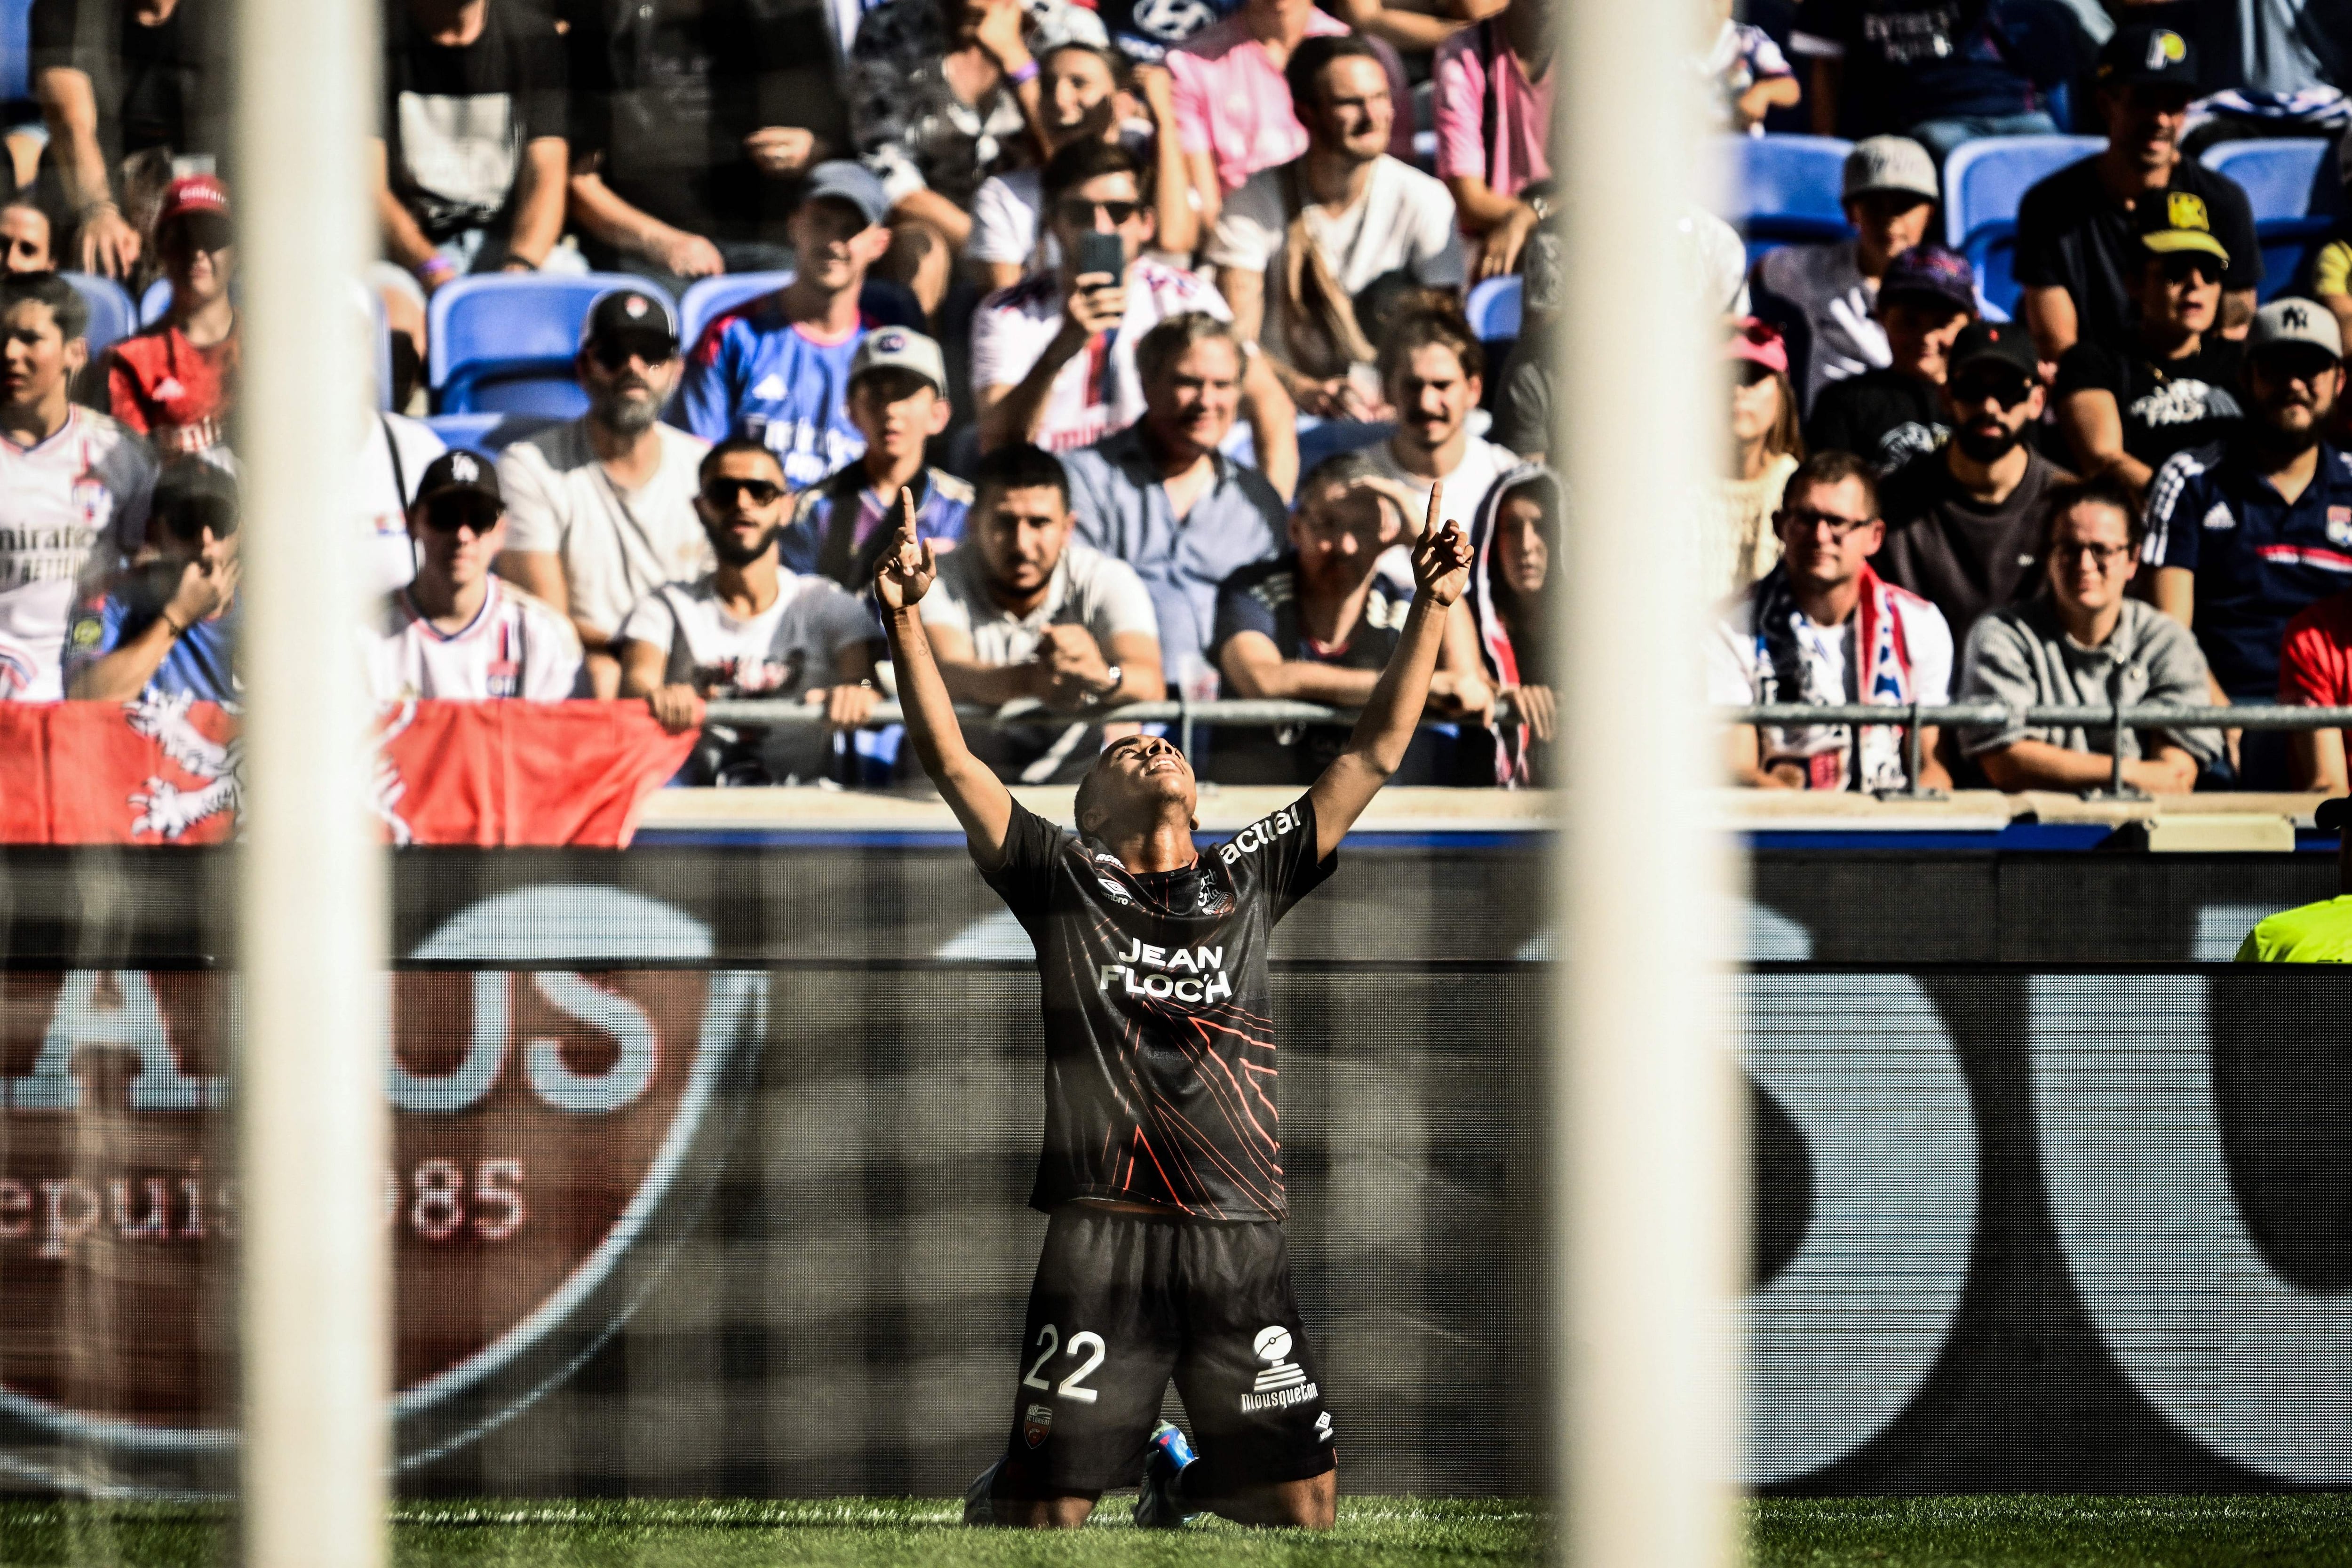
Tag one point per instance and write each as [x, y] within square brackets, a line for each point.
[749, 628]
[2245, 531]
[1964, 524]
[600, 510]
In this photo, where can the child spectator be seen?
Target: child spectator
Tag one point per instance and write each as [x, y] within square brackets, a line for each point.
[175, 383]
[169, 625]
[27, 239]
[1494, 115]
[1821, 626]
[1514, 602]
[748, 628]
[1736, 543]
[1750, 73]
[1893, 415]
[1317, 622]
[897, 395]
[2084, 641]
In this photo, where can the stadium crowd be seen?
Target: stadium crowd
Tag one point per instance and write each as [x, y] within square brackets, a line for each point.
[1157, 310]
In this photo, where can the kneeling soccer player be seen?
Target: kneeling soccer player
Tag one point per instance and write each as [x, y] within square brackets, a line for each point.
[1161, 1167]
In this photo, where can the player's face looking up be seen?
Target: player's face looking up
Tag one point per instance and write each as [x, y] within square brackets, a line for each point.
[36, 359]
[742, 505]
[1136, 781]
[1023, 533]
[1340, 534]
[458, 536]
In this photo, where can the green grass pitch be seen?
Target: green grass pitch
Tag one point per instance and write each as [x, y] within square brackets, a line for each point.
[1374, 1533]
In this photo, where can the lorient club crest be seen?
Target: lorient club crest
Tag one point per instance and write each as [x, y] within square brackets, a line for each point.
[553, 1114]
[1035, 1423]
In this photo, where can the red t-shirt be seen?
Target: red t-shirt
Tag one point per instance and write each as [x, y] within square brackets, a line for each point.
[172, 392]
[2315, 655]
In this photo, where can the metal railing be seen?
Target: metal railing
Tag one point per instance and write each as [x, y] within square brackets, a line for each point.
[1240, 714]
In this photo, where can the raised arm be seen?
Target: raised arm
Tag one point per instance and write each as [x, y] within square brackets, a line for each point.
[1441, 570]
[972, 789]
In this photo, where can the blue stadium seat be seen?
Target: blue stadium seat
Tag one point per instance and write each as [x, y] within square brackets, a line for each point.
[1492, 309]
[112, 317]
[489, 433]
[153, 303]
[504, 342]
[712, 297]
[156, 302]
[1779, 189]
[2297, 200]
[1983, 183]
[16, 51]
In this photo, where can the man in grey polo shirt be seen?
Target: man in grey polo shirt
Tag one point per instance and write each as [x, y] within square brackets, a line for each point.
[1022, 610]
[1161, 496]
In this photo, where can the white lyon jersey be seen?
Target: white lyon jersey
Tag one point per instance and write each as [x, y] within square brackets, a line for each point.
[514, 647]
[72, 507]
[792, 646]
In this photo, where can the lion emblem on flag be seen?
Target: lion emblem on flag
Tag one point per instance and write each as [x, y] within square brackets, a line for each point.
[165, 806]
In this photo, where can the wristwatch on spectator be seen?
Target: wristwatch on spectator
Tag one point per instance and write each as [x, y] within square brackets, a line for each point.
[1539, 205]
[1112, 680]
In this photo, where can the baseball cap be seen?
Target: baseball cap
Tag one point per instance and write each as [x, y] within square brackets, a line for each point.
[459, 471]
[896, 348]
[1889, 164]
[192, 494]
[852, 183]
[198, 196]
[2004, 343]
[1759, 343]
[1931, 272]
[2144, 54]
[2334, 816]
[625, 312]
[2177, 222]
[2296, 322]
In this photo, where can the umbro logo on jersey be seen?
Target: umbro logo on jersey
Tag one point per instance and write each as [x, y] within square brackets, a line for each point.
[772, 385]
[2220, 517]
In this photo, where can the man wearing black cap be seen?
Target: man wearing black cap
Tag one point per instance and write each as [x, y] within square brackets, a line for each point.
[168, 625]
[2076, 251]
[1964, 524]
[2315, 933]
[456, 632]
[2127, 407]
[602, 509]
[2246, 532]
[1896, 413]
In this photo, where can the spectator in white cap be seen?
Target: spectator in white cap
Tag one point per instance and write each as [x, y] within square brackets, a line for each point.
[898, 396]
[1823, 297]
[601, 509]
[2247, 530]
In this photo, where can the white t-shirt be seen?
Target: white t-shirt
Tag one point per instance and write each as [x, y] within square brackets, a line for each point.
[792, 646]
[1406, 220]
[29, 674]
[1089, 589]
[1839, 304]
[1482, 464]
[72, 508]
[385, 493]
[1098, 392]
[1004, 219]
[514, 647]
[616, 545]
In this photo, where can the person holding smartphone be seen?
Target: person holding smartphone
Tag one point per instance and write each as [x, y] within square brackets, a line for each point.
[1053, 357]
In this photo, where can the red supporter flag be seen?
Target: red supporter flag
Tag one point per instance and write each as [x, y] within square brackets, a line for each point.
[492, 774]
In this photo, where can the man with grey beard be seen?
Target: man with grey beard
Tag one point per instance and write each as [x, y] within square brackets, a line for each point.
[599, 511]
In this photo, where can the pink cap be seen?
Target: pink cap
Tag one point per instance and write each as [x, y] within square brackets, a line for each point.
[194, 194]
[1757, 341]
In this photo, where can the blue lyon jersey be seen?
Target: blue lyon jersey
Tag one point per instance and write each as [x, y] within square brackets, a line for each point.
[2258, 560]
[754, 374]
[201, 663]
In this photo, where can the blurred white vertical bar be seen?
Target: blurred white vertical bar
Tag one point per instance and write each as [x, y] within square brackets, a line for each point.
[315, 1299]
[1652, 1153]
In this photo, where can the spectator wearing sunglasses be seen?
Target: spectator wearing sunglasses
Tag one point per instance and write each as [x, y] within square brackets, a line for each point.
[2126, 409]
[1964, 524]
[2085, 640]
[750, 629]
[603, 507]
[456, 632]
[175, 383]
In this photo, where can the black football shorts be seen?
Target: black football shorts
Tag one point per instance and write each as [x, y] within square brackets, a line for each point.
[1125, 1301]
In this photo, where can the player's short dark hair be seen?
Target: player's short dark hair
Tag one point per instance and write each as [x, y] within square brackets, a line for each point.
[1164, 345]
[1304, 71]
[64, 300]
[2100, 490]
[1017, 467]
[1431, 326]
[1831, 468]
[1087, 159]
[731, 445]
[1090, 794]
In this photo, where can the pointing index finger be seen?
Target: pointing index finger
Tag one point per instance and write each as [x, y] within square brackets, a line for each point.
[1436, 501]
[907, 509]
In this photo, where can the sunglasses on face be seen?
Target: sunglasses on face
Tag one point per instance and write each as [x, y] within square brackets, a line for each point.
[614, 354]
[449, 516]
[1079, 212]
[722, 493]
[1748, 372]
[2006, 390]
[2183, 268]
